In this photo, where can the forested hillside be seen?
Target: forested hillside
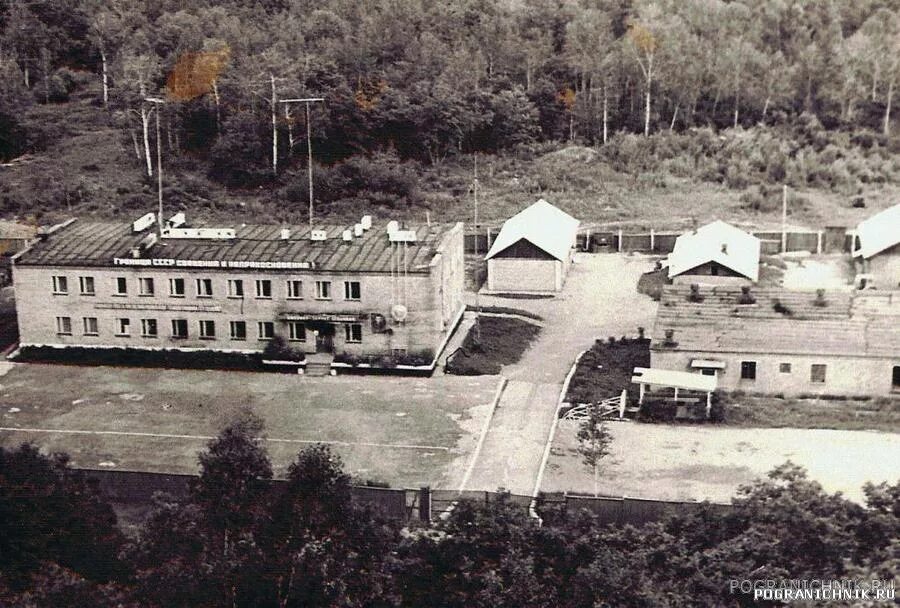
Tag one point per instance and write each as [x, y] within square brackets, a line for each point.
[690, 105]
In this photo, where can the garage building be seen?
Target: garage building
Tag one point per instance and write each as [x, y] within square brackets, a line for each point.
[716, 254]
[533, 251]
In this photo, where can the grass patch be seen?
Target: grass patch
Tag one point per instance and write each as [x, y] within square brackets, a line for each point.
[824, 412]
[506, 310]
[652, 283]
[502, 341]
[606, 369]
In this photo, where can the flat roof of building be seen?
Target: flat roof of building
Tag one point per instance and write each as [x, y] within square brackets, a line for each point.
[108, 244]
[859, 324]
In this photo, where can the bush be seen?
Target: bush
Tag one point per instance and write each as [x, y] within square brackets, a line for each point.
[133, 357]
[278, 349]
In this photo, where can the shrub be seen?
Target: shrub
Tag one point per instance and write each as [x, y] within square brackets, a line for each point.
[279, 350]
[132, 357]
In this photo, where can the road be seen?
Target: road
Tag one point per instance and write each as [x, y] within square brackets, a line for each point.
[598, 300]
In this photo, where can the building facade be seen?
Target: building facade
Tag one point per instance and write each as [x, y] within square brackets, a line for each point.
[533, 251]
[343, 290]
[876, 250]
[779, 341]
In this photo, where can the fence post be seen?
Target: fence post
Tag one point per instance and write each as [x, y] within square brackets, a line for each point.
[652, 241]
[425, 503]
[819, 241]
[620, 240]
[623, 399]
[587, 240]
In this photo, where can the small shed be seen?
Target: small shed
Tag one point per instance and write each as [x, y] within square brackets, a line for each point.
[718, 253]
[533, 251]
[876, 250]
[665, 378]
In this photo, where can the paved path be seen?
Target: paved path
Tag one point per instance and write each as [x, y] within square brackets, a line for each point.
[599, 300]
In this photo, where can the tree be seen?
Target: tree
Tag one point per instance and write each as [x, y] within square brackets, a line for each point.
[594, 442]
[50, 514]
[643, 34]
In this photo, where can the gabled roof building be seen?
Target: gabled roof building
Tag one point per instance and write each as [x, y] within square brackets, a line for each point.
[781, 341]
[533, 251]
[717, 253]
[876, 250]
[364, 289]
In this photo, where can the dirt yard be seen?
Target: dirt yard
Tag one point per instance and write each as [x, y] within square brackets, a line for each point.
[684, 462]
[405, 431]
[833, 272]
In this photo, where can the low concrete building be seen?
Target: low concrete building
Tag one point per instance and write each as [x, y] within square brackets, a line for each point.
[876, 250]
[780, 341]
[360, 290]
[533, 251]
[716, 254]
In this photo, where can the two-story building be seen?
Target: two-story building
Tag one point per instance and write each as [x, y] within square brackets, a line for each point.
[362, 289]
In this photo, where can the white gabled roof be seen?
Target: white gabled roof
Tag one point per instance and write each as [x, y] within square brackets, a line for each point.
[716, 242]
[544, 226]
[879, 232]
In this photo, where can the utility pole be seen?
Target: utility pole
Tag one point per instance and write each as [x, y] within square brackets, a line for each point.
[309, 162]
[784, 196]
[478, 267]
[158, 105]
[274, 129]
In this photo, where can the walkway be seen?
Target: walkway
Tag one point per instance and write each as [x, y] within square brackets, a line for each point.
[600, 299]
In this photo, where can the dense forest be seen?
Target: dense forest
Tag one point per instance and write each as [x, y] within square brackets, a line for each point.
[239, 540]
[409, 84]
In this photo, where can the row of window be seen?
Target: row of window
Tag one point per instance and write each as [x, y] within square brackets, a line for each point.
[265, 330]
[817, 371]
[204, 288]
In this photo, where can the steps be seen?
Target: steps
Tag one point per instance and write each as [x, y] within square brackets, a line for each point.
[319, 364]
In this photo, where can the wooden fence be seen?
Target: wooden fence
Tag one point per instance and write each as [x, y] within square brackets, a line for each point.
[599, 241]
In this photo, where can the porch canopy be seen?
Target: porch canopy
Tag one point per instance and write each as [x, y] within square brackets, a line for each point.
[647, 376]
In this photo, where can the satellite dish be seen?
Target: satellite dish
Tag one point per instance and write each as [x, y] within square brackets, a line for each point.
[399, 312]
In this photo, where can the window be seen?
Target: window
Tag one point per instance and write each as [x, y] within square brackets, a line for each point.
[64, 326]
[60, 285]
[91, 327]
[121, 286]
[145, 286]
[149, 328]
[784, 368]
[238, 330]
[323, 290]
[895, 378]
[353, 332]
[179, 328]
[204, 288]
[176, 288]
[707, 371]
[235, 288]
[351, 290]
[123, 327]
[748, 370]
[266, 330]
[263, 288]
[297, 331]
[817, 373]
[87, 286]
[207, 328]
[295, 290]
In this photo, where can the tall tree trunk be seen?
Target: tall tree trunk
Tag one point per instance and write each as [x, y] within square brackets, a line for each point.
[674, 116]
[766, 107]
[215, 89]
[875, 80]
[290, 128]
[145, 127]
[605, 114]
[27, 75]
[169, 138]
[887, 109]
[274, 130]
[647, 110]
[105, 77]
[134, 141]
[737, 105]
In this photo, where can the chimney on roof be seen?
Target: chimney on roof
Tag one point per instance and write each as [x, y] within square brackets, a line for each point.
[695, 293]
[347, 235]
[393, 226]
[366, 222]
[357, 230]
[670, 338]
[285, 234]
[746, 297]
[820, 300]
[724, 247]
